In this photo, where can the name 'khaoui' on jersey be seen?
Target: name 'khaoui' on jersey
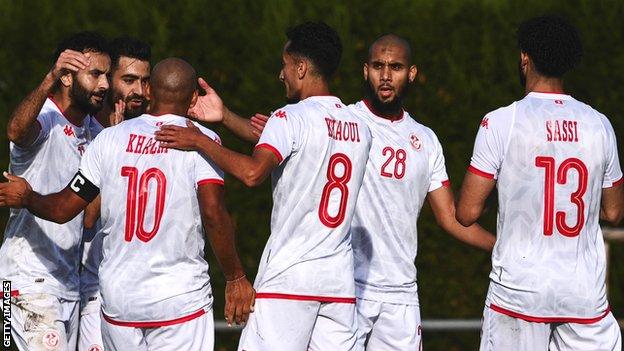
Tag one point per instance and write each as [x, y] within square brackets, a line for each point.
[322, 148]
[405, 163]
[552, 156]
[40, 256]
[153, 268]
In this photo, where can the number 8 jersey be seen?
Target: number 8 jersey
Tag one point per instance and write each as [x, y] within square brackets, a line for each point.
[322, 148]
[153, 271]
[551, 156]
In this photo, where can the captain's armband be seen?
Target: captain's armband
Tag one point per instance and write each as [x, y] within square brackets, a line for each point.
[83, 187]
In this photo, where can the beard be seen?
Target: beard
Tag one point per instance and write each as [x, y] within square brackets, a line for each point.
[81, 98]
[521, 75]
[386, 108]
[129, 112]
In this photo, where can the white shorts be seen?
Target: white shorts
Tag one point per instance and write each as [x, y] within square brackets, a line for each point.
[502, 332]
[387, 326]
[90, 331]
[297, 325]
[194, 335]
[44, 322]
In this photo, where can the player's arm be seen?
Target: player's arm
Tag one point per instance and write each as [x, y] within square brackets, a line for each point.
[23, 128]
[59, 207]
[92, 213]
[442, 203]
[472, 197]
[239, 294]
[251, 170]
[210, 108]
[612, 206]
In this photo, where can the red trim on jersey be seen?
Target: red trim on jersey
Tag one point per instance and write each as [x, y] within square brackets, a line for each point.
[59, 107]
[549, 92]
[550, 319]
[272, 149]
[475, 170]
[305, 297]
[155, 324]
[618, 182]
[210, 181]
[446, 183]
[14, 293]
[387, 118]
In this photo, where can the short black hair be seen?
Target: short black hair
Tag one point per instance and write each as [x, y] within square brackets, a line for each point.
[552, 43]
[87, 41]
[129, 47]
[317, 42]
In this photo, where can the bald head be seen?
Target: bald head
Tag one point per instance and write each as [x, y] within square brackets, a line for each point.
[387, 41]
[173, 82]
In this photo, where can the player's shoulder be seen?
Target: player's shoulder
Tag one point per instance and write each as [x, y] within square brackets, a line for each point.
[208, 132]
[50, 110]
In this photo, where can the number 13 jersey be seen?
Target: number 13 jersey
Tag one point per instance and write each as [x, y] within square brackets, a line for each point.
[153, 270]
[322, 149]
[551, 156]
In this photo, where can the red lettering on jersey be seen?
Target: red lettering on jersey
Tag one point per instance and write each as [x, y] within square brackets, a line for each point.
[139, 145]
[338, 131]
[484, 122]
[559, 102]
[81, 149]
[280, 114]
[561, 130]
[68, 130]
[130, 142]
[330, 126]
[147, 146]
[343, 130]
[549, 131]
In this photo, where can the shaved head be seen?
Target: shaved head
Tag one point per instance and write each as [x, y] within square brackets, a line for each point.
[173, 82]
[391, 40]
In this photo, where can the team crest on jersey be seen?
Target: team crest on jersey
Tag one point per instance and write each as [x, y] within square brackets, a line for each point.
[485, 122]
[416, 142]
[95, 347]
[51, 340]
[281, 114]
[68, 130]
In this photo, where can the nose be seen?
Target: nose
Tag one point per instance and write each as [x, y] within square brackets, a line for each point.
[103, 82]
[281, 75]
[138, 88]
[386, 74]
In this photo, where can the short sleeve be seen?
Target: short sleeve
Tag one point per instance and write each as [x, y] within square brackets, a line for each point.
[439, 177]
[613, 172]
[280, 134]
[489, 147]
[206, 171]
[91, 163]
[45, 121]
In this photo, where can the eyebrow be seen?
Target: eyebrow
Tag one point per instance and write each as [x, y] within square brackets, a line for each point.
[133, 76]
[97, 71]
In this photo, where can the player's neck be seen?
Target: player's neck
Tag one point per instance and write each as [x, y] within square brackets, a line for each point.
[159, 109]
[315, 88]
[104, 115]
[541, 84]
[72, 113]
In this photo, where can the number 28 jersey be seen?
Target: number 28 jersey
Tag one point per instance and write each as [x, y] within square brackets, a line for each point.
[552, 156]
[322, 148]
[153, 269]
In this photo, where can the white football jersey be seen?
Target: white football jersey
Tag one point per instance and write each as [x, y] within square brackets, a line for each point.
[153, 269]
[322, 148]
[405, 163]
[39, 256]
[551, 156]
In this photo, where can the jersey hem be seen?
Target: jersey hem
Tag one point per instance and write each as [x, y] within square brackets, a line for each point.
[272, 149]
[210, 181]
[349, 300]
[154, 324]
[537, 319]
[474, 170]
[617, 182]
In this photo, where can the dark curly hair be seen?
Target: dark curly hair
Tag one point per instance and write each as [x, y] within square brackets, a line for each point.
[317, 42]
[82, 42]
[128, 47]
[552, 43]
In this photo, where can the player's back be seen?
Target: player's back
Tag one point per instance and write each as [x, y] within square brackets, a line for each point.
[549, 259]
[153, 266]
[315, 188]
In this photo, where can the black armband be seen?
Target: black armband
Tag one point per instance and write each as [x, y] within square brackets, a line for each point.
[83, 187]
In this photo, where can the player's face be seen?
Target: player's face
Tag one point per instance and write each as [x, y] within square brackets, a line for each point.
[129, 82]
[289, 76]
[388, 73]
[89, 86]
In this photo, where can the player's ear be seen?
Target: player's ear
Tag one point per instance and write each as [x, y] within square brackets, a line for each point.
[413, 71]
[365, 70]
[524, 61]
[194, 98]
[67, 79]
[302, 68]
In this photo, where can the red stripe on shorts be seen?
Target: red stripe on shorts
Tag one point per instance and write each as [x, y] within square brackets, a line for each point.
[305, 297]
[549, 319]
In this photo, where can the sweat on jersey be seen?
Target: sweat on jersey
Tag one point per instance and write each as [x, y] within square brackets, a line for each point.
[40, 256]
[405, 163]
[322, 148]
[551, 156]
[153, 271]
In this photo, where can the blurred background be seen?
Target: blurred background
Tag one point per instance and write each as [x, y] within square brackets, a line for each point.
[467, 61]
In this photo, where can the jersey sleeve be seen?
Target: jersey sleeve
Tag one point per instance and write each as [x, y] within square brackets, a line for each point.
[438, 176]
[490, 144]
[280, 135]
[613, 172]
[206, 171]
[45, 121]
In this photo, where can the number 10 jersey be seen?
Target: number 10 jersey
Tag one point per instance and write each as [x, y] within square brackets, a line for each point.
[552, 156]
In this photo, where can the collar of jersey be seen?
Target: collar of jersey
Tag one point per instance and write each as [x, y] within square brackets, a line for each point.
[557, 96]
[382, 118]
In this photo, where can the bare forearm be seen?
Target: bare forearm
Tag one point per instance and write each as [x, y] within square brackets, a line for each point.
[239, 126]
[474, 235]
[220, 233]
[243, 167]
[52, 207]
[22, 120]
